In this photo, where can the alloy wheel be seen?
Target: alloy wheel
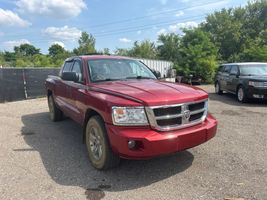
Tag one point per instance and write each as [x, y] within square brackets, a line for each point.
[96, 144]
[240, 94]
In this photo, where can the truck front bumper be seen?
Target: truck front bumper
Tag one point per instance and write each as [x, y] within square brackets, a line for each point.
[151, 143]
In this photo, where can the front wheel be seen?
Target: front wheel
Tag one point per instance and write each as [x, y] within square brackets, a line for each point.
[241, 94]
[99, 150]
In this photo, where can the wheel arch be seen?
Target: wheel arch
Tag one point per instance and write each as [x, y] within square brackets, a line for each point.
[49, 92]
[88, 114]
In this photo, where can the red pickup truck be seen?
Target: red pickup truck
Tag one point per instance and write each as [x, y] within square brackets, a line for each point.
[125, 111]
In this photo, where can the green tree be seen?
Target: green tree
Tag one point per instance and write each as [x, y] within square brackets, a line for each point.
[26, 50]
[43, 61]
[23, 62]
[2, 59]
[169, 47]
[122, 52]
[106, 51]
[257, 49]
[255, 19]
[225, 30]
[198, 55]
[143, 49]
[56, 50]
[10, 58]
[86, 44]
[57, 55]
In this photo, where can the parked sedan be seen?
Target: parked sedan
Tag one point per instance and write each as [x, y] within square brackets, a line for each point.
[246, 80]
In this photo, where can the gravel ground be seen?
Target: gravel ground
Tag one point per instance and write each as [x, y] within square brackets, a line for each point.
[40, 159]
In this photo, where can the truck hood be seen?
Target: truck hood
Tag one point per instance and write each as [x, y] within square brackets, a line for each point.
[152, 92]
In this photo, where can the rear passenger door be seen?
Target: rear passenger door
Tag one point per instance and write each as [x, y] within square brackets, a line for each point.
[233, 79]
[225, 77]
[76, 97]
[61, 88]
[218, 76]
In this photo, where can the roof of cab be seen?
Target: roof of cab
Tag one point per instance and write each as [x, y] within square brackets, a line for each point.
[88, 57]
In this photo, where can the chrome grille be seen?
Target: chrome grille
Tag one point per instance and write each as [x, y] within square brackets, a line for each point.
[265, 84]
[171, 117]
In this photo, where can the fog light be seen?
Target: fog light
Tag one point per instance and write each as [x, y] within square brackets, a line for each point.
[131, 144]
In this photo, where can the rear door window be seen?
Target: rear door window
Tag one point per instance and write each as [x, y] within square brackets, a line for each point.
[234, 70]
[220, 69]
[227, 69]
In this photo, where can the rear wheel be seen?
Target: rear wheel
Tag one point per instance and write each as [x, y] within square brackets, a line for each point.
[218, 88]
[99, 150]
[54, 112]
[241, 94]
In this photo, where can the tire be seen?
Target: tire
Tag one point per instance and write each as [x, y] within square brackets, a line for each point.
[100, 153]
[55, 113]
[241, 94]
[218, 89]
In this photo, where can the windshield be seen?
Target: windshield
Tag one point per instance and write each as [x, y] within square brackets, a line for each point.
[250, 70]
[118, 69]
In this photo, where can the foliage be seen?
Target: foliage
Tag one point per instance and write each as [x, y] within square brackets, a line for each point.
[57, 54]
[26, 50]
[55, 50]
[198, 54]
[122, 52]
[2, 59]
[143, 49]
[86, 44]
[169, 47]
[257, 50]
[224, 28]
[234, 31]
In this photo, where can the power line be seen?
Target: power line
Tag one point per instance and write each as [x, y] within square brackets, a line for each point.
[156, 14]
[130, 29]
[137, 28]
[137, 18]
[147, 26]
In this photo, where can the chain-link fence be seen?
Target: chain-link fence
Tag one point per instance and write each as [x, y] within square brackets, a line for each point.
[19, 84]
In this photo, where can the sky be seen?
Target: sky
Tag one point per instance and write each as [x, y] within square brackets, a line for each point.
[113, 23]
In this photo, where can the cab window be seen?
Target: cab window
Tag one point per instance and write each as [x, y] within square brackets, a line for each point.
[78, 70]
[227, 69]
[67, 66]
[220, 69]
[234, 70]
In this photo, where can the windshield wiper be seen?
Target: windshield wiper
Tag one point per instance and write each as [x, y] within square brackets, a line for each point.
[107, 79]
[139, 77]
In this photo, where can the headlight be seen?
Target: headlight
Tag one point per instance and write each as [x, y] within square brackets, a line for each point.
[256, 84]
[133, 116]
[206, 109]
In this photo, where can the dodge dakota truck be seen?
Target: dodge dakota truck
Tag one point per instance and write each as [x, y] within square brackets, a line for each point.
[125, 111]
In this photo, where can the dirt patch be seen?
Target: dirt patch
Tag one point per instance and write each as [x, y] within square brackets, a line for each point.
[96, 193]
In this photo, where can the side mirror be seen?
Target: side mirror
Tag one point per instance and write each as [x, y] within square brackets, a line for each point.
[156, 73]
[70, 76]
